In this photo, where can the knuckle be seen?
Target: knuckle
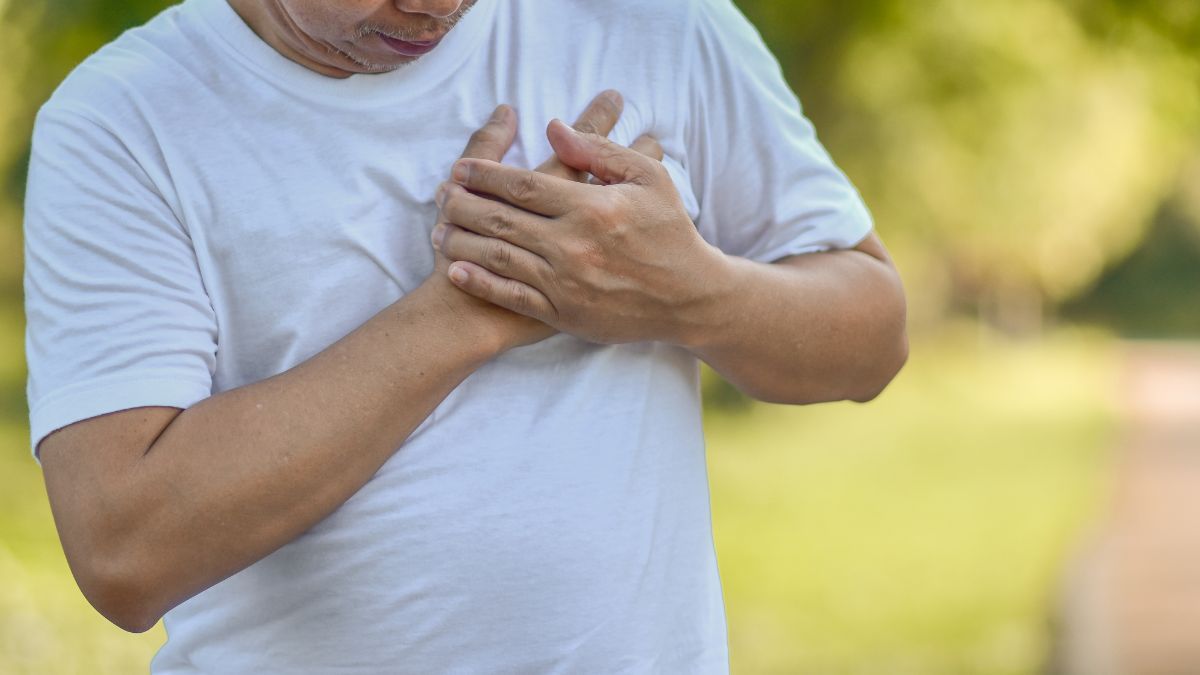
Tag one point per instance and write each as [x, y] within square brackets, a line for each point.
[583, 272]
[605, 148]
[604, 211]
[606, 163]
[497, 256]
[522, 300]
[449, 195]
[449, 243]
[452, 205]
[524, 188]
[496, 221]
[479, 174]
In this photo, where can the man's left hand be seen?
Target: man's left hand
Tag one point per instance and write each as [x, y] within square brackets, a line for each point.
[618, 261]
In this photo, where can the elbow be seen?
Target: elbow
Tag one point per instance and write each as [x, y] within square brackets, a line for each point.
[118, 588]
[134, 622]
[884, 371]
[892, 350]
[120, 599]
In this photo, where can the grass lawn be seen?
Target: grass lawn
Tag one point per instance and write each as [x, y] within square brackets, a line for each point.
[46, 626]
[922, 533]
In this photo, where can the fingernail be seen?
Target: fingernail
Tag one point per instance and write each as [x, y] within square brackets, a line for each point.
[461, 172]
[439, 197]
[613, 97]
[439, 233]
[568, 126]
[458, 275]
[500, 113]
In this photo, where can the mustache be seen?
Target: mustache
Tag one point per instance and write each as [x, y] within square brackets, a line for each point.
[435, 27]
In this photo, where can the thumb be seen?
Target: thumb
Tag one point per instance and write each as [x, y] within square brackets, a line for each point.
[607, 161]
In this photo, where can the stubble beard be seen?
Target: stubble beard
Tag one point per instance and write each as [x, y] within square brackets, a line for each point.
[368, 29]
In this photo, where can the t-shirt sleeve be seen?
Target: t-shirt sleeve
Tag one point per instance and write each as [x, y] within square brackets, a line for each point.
[117, 316]
[766, 187]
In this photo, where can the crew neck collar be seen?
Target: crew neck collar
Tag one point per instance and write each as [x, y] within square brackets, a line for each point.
[360, 89]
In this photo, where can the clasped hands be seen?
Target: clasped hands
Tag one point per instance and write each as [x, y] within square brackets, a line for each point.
[614, 260]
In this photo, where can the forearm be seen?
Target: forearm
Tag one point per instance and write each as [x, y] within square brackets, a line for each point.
[239, 474]
[818, 327]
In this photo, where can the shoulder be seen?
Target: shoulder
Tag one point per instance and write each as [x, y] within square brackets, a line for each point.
[115, 85]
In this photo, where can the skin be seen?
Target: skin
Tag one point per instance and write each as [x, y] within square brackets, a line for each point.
[155, 504]
[622, 262]
[342, 38]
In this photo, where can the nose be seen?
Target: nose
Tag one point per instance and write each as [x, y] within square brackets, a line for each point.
[436, 8]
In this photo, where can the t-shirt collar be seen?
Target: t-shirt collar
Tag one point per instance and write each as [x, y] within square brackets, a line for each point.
[360, 90]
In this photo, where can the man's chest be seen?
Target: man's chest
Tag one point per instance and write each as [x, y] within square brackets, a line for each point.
[306, 224]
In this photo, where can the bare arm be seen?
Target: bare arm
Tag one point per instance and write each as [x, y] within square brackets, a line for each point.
[622, 262]
[154, 504]
[809, 328]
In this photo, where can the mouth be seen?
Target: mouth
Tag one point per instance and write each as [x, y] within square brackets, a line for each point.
[409, 48]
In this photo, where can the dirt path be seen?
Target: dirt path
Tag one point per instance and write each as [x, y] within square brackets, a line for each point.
[1133, 602]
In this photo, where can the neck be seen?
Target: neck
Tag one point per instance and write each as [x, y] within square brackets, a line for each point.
[271, 23]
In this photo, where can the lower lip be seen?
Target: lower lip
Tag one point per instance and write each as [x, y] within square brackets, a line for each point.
[409, 48]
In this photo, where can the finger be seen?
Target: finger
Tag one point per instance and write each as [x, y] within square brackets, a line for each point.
[601, 114]
[493, 139]
[532, 191]
[495, 255]
[493, 218]
[599, 118]
[607, 161]
[648, 146]
[507, 293]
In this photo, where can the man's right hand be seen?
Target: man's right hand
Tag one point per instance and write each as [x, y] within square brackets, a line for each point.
[492, 142]
[154, 504]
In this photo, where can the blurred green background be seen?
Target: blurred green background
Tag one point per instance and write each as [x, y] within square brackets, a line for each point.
[1034, 166]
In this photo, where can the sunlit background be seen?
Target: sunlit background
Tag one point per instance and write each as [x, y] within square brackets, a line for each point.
[1034, 166]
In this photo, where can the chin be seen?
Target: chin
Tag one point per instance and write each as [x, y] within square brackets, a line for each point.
[371, 64]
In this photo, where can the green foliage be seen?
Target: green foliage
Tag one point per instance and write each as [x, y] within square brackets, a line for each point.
[1175, 20]
[46, 625]
[1010, 150]
[1154, 293]
[923, 533]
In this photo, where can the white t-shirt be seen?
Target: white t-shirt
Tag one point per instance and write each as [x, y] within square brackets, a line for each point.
[203, 213]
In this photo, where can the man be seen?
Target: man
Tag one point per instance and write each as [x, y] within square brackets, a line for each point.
[266, 409]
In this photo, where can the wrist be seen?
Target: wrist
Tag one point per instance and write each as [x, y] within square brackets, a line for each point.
[464, 319]
[707, 311]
